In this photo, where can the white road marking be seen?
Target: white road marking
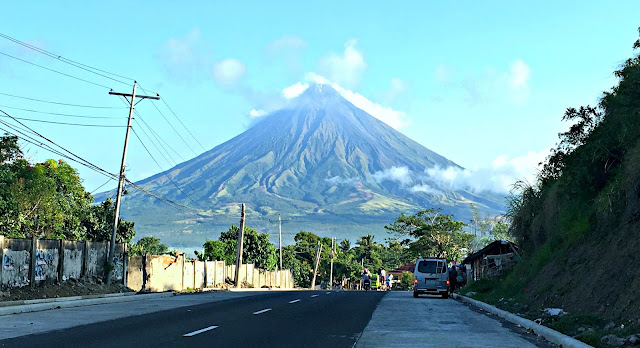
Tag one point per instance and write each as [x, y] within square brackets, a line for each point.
[200, 331]
[294, 301]
[315, 295]
[328, 292]
[262, 311]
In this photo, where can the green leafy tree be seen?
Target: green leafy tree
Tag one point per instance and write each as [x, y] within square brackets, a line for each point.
[99, 224]
[256, 248]
[148, 245]
[432, 234]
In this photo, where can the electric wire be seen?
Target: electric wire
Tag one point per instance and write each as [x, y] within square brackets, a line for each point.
[58, 103]
[59, 114]
[161, 169]
[97, 188]
[55, 71]
[177, 118]
[152, 142]
[172, 127]
[66, 123]
[68, 61]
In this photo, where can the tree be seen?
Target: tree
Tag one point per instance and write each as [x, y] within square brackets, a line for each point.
[256, 249]
[433, 234]
[148, 245]
[99, 224]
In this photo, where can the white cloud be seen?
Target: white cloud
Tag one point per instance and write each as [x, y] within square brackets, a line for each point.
[229, 71]
[401, 175]
[338, 180]
[184, 57]
[395, 119]
[346, 68]
[256, 113]
[497, 177]
[424, 188]
[518, 80]
[285, 45]
[294, 90]
[398, 87]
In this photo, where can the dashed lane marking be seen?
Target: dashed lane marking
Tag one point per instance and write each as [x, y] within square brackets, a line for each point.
[294, 301]
[200, 331]
[315, 295]
[328, 292]
[262, 311]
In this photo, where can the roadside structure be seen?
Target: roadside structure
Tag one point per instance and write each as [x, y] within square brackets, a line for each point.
[493, 260]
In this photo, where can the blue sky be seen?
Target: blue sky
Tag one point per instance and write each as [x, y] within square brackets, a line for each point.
[483, 83]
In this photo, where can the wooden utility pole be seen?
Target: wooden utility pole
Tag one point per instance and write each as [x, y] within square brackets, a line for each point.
[280, 220]
[239, 256]
[315, 268]
[132, 104]
[333, 245]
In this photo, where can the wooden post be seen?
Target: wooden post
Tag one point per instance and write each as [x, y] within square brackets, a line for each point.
[315, 268]
[125, 264]
[239, 256]
[32, 266]
[61, 261]
[331, 272]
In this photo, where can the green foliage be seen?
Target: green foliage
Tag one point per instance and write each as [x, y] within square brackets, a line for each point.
[406, 280]
[47, 200]
[434, 234]
[256, 248]
[148, 245]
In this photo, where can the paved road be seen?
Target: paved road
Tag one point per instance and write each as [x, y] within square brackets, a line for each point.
[281, 319]
[403, 321]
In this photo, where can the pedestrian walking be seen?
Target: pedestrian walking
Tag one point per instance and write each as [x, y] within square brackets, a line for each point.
[453, 279]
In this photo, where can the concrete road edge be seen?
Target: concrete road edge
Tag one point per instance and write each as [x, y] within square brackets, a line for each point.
[76, 302]
[549, 334]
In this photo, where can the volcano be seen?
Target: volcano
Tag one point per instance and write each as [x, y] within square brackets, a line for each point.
[328, 166]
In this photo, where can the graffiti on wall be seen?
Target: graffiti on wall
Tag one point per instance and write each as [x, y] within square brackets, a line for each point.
[15, 268]
[44, 260]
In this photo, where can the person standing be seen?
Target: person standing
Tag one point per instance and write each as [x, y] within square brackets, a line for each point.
[383, 277]
[453, 279]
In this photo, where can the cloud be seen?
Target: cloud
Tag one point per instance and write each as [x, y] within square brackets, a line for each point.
[497, 177]
[401, 175]
[397, 88]
[346, 68]
[395, 119]
[285, 45]
[518, 80]
[256, 113]
[294, 90]
[229, 71]
[424, 188]
[338, 180]
[185, 57]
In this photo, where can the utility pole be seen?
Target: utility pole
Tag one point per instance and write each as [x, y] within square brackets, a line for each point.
[280, 235]
[333, 246]
[239, 257]
[132, 104]
[315, 268]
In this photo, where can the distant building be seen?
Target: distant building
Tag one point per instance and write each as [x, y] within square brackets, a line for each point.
[492, 261]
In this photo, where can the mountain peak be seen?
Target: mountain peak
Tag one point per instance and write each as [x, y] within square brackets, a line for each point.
[318, 92]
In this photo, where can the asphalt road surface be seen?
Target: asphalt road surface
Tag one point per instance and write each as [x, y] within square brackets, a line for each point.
[281, 319]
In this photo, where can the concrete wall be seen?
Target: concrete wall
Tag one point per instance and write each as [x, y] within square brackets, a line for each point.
[54, 261]
[16, 262]
[158, 273]
[47, 261]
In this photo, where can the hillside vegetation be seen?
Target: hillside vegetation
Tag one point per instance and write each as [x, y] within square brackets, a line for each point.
[579, 224]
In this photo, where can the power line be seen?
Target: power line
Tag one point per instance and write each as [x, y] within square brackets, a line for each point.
[58, 103]
[57, 114]
[177, 118]
[68, 61]
[159, 166]
[172, 127]
[55, 71]
[97, 188]
[76, 158]
[66, 123]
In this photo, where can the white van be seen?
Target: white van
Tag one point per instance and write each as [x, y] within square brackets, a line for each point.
[431, 276]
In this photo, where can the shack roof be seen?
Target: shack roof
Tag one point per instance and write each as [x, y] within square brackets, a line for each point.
[497, 247]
